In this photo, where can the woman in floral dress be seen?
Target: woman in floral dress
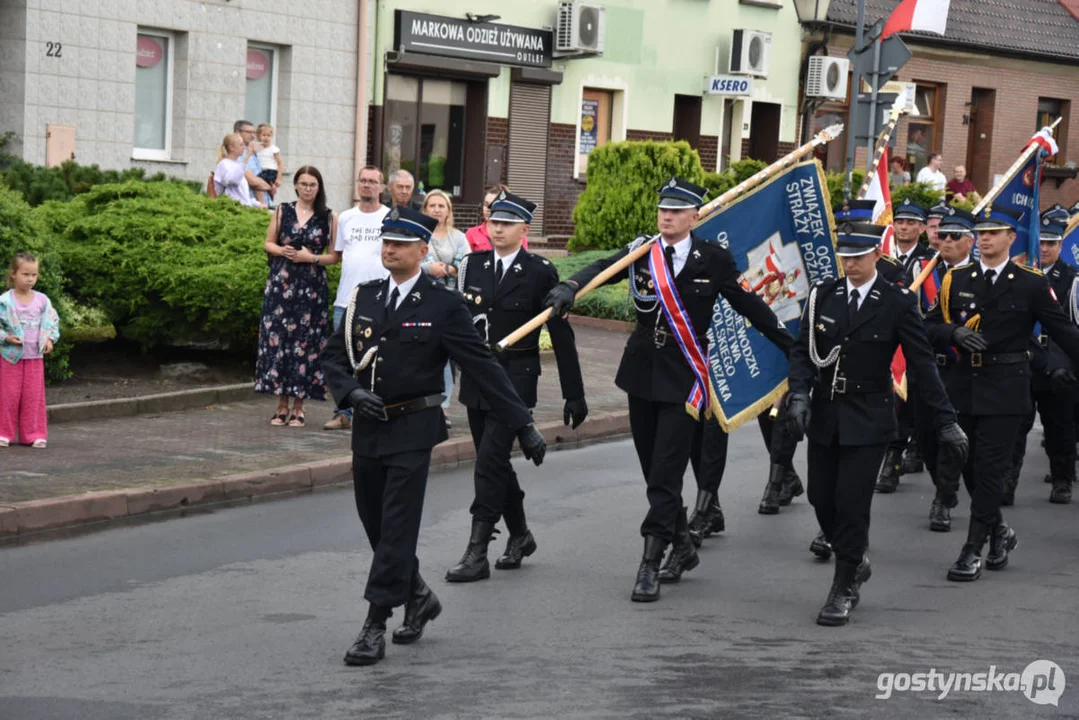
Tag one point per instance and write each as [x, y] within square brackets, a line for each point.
[296, 303]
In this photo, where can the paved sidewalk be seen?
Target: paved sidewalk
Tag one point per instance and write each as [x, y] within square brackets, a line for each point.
[182, 447]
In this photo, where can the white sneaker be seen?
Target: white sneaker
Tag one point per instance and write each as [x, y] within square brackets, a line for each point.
[39, 444]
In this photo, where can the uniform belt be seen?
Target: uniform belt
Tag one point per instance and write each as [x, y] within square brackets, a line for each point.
[945, 360]
[662, 337]
[1043, 340]
[978, 360]
[396, 410]
[847, 386]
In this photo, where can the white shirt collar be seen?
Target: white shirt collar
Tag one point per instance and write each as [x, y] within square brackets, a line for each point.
[507, 260]
[998, 268]
[863, 289]
[1047, 268]
[681, 248]
[403, 289]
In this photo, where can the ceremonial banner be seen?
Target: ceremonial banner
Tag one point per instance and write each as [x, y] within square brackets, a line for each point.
[1021, 193]
[783, 235]
[1069, 252]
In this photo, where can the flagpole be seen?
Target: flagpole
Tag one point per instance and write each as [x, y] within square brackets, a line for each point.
[882, 144]
[990, 196]
[824, 136]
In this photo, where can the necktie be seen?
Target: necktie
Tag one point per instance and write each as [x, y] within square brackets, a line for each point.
[990, 276]
[852, 306]
[669, 252]
[498, 271]
[394, 296]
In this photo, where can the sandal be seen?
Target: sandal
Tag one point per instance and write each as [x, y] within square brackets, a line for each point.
[296, 420]
[39, 444]
[4, 442]
[279, 420]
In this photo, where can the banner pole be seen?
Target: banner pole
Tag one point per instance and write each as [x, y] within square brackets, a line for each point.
[882, 143]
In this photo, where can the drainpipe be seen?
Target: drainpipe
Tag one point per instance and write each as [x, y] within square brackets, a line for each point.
[360, 149]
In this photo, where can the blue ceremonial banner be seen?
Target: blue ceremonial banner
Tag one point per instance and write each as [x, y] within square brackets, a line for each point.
[782, 236]
[1069, 251]
[1021, 193]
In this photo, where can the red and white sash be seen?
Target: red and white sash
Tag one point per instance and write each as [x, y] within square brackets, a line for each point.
[680, 324]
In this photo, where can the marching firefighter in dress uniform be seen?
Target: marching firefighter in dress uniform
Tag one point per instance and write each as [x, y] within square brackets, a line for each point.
[956, 238]
[674, 286]
[988, 310]
[386, 361]
[504, 288]
[909, 223]
[849, 333]
[1053, 374]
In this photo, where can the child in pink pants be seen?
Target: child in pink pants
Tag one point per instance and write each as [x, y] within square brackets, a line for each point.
[29, 327]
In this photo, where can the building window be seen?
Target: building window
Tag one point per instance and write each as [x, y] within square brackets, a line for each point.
[594, 128]
[153, 95]
[424, 130]
[923, 129]
[261, 86]
[1049, 109]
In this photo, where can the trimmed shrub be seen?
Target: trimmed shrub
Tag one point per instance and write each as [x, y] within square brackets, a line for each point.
[918, 192]
[612, 301]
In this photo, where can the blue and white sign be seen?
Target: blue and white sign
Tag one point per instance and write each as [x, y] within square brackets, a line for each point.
[728, 85]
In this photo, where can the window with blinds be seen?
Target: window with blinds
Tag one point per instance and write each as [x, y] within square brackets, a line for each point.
[530, 113]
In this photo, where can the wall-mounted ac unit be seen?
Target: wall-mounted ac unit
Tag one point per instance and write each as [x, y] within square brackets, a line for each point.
[749, 52]
[580, 28]
[827, 77]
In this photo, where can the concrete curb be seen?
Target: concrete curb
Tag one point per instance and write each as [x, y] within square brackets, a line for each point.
[144, 404]
[36, 516]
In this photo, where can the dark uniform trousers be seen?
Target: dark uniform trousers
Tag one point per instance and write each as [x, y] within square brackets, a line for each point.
[850, 427]
[991, 391]
[658, 379]
[390, 459]
[906, 410]
[499, 308]
[708, 454]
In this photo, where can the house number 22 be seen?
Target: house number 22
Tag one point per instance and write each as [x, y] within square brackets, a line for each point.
[53, 49]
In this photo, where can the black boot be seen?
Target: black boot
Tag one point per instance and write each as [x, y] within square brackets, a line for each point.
[791, 488]
[770, 502]
[861, 576]
[700, 521]
[370, 646]
[518, 547]
[1002, 540]
[940, 515]
[969, 565]
[821, 547]
[889, 471]
[836, 610]
[422, 607]
[1063, 471]
[474, 565]
[646, 587]
[716, 522]
[912, 459]
[682, 558]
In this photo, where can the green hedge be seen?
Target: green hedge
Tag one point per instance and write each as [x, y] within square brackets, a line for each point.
[611, 302]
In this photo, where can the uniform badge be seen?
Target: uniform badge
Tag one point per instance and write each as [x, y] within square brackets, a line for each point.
[478, 300]
[820, 326]
[359, 346]
[974, 274]
[651, 284]
[395, 215]
[972, 306]
[963, 315]
[697, 254]
[417, 296]
[1011, 276]
[517, 267]
[487, 265]
[672, 183]
[367, 332]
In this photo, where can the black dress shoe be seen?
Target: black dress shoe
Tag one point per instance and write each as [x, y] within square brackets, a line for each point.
[968, 567]
[837, 607]
[682, 558]
[940, 516]
[518, 547]
[770, 502]
[700, 521]
[888, 480]
[821, 547]
[473, 565]
[1001, 542]
[646, 586]
[792, 487]
[422, 607]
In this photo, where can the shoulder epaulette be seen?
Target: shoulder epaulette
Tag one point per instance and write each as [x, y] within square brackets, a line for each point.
[1031, 270]
[890, 259]
[637, 242]
[370, 283]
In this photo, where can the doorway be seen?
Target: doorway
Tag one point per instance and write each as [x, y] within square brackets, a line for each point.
[980, 136]
[764, 132]
[687, 119]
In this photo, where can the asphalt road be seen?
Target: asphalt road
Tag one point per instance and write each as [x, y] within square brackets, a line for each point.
[245, 613]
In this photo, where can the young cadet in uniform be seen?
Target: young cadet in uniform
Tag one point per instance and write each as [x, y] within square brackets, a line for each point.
[504, 288]
[909, 222]
[988, 310]
[843, 355]
[386, 361]
[956, 237]
[674, 286]
[1054, 377]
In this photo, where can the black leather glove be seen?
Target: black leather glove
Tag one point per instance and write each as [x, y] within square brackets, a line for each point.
[798, 410]
[533, 445]
[561, 297]
[575, 411]
[366, 404]
[1062, 379]
[953, 437]
[969, 340]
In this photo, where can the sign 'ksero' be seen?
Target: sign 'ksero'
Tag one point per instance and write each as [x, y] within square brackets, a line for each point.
[729, 85]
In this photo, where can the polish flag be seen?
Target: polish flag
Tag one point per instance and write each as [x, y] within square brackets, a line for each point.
[882, 212]
[926, 15]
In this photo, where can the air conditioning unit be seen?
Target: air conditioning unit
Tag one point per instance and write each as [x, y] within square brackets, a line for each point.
[581, 26]
[827, 77]
[749, 52]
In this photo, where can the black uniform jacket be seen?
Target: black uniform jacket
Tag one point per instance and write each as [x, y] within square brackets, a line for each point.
[1047, 354]
[993, 383]
[892, 270]
[515, 301]
[429, 326]
[860, 411]
[661, 374]
[919, 252]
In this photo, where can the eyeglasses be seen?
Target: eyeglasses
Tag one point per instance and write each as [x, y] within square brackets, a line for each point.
[307, 186]
[952, 236]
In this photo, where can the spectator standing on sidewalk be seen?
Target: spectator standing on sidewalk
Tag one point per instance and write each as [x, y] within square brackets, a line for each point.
[295, 306]
[358, 244]
[479, 236]
[269, 157]
[960, 186]
[401, 185]
[931, 173]
[229, 176]
[249, 159]
[898, 175]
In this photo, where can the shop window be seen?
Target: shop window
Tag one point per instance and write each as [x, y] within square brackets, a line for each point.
[924, 127]
[424, 130]
[1049, 109]
[153, 95]
[594, 127]
[261, 84]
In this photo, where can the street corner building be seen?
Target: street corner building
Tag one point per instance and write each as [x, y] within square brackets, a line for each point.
[976, 94]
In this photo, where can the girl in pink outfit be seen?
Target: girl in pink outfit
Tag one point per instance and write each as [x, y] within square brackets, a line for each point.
[29, 328]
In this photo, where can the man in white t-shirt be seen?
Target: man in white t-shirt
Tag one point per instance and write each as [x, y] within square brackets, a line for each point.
[359, 245]
[931, 173]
